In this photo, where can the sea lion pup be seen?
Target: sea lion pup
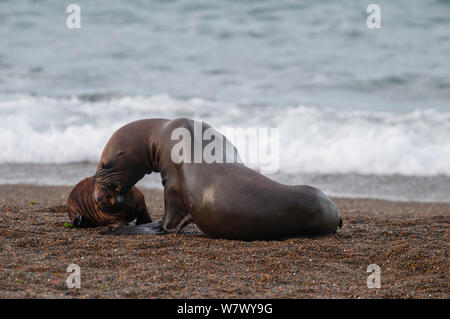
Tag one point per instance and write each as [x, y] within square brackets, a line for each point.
[224, 198]
[84, 211]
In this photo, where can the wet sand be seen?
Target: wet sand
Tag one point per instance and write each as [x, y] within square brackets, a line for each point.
[409, 241]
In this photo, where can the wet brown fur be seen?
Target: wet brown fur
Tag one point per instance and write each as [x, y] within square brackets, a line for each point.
[81, 201]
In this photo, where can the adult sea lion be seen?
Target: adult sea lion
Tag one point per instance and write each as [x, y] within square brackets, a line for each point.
[225, 200]
[84, 211]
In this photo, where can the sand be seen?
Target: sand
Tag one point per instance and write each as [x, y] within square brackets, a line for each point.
[408, 240]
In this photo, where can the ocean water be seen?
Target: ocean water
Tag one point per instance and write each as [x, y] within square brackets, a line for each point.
[361, 112]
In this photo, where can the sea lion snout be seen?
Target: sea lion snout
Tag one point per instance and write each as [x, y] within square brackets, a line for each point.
[105, 198]
[118, 200]
[110, 202]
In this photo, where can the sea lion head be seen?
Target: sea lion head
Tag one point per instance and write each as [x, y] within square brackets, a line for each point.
[108, 197]
[84, 212]
[121, 166]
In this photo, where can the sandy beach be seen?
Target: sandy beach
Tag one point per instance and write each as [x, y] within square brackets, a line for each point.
[408, 240]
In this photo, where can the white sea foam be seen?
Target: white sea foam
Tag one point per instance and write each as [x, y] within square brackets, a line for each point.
[36, 129]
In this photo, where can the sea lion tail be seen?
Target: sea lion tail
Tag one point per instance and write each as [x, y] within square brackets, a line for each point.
[340, 221]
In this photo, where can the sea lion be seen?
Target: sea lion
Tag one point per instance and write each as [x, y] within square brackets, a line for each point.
[225, 200]
[85, 211]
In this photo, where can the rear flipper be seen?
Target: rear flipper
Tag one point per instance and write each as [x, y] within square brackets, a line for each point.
[155, 228]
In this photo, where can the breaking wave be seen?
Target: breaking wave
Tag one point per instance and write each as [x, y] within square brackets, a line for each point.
[40, 129]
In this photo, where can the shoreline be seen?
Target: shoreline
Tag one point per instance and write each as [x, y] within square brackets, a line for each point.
[433, 188]
[408, 240]
[146, 189]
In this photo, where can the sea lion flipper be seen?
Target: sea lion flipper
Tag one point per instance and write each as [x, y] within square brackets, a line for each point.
[154, 228]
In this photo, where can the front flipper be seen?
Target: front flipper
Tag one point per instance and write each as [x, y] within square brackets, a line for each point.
[173, 221]
[175, 216]
[155, 228]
